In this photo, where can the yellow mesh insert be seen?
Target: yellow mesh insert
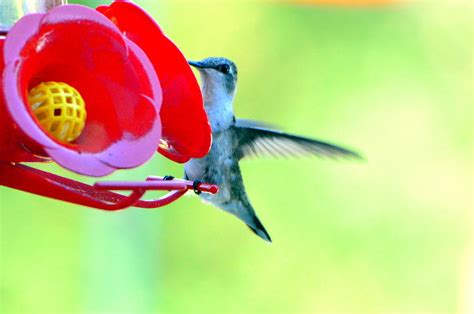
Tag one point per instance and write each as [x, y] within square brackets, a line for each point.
[59, 109]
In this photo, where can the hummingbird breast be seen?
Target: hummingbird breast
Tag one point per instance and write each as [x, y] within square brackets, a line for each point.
[219, 167]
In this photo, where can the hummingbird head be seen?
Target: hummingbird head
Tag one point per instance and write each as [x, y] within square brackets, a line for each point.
[218, 78]
[218, 84]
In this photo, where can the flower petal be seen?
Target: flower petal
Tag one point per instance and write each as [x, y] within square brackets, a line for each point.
[113, 75]
[87, 164]
[21, 33]
[132, 152]
[185, 126]
[76, 13]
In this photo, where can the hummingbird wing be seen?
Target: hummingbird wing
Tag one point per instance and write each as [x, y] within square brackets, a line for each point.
[256, 138]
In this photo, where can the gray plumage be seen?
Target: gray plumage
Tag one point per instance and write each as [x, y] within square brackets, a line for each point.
[234, 139]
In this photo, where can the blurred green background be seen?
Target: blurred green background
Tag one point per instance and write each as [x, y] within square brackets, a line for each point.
[390, 235]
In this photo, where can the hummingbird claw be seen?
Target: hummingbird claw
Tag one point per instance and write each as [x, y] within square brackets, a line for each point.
[168, 178]
[196, 184]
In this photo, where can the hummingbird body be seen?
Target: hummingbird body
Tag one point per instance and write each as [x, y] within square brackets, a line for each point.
[234, 139]
[221, 167]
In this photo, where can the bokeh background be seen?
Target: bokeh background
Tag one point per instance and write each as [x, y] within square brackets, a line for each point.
[389, 235]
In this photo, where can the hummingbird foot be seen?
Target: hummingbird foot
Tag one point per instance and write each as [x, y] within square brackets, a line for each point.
[168, 178]
[196, 184]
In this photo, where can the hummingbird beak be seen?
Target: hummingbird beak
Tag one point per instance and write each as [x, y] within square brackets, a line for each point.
[198, 64]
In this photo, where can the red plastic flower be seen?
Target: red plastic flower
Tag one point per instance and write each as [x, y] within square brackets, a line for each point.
[79, 46]
[186, 129]
[119, 77]
[117, 61]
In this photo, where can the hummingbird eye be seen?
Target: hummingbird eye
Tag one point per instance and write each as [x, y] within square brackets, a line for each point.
[224, 68]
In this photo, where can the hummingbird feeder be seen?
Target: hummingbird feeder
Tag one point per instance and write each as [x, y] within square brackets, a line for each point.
[96, 91]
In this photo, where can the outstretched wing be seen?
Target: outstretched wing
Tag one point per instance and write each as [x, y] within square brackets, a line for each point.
[255, 138]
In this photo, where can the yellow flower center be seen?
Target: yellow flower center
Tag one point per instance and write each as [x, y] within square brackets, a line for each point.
[59, 109]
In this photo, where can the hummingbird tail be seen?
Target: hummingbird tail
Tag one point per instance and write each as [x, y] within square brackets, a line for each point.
[259, 229]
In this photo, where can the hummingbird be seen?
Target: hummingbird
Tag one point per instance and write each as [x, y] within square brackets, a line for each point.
[234, 139]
